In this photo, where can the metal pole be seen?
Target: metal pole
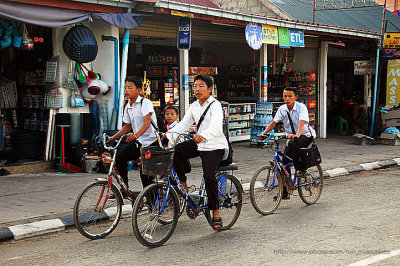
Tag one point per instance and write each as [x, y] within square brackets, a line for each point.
[124, 61]
[313, 14]
[375, 89]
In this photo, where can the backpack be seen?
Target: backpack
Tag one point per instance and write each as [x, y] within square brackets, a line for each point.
[161, 125]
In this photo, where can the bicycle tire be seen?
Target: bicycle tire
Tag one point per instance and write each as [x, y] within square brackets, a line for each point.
[228, 205]
[262, 187]
[146, 220]
[92, 223]
[315, 175]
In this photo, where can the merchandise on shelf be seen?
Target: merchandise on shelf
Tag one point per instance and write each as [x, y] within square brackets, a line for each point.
[240, 121]
[306, 87]
[262, 119]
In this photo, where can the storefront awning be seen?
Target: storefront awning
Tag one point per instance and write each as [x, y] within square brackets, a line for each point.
[54, 17]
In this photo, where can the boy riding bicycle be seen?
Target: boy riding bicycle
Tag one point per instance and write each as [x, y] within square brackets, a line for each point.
[209, 142]
[138, 114]
[296, 122]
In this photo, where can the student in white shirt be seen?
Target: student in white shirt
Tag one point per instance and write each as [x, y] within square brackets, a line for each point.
[304, 134]
[137, 117]
[209, 142]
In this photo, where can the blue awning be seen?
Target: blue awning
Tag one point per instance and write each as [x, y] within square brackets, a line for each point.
[54, 17]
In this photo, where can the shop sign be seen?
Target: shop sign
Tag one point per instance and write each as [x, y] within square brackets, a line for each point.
[181, 14]
[184, 33]
[254, 35]
[365, 67]
[388, 53]
[296, 38]
[270, 34]
[391, 40]
[393, 82]
[284, 37]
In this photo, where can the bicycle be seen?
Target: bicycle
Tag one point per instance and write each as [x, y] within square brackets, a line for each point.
[96, 215]
[159, 202]
[266, 186]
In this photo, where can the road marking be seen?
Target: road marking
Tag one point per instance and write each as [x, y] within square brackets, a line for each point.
[376, 258]
[371, 166]
[36, 228]
[337, 172]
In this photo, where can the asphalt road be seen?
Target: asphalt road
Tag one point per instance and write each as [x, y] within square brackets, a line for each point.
[356, 218]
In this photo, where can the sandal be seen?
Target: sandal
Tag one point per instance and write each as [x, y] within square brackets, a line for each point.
[216, 223]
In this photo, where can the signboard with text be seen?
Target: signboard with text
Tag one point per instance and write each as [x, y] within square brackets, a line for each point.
[270, 34]
[254, 35]
[391, 40]
[284, 37]
[296, 38]
[393, 82]
[184, 33]
[364, 67]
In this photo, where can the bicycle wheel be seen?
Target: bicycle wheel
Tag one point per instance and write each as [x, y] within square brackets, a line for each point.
[94, 216]
[310, 185]
[230, 201]
[151, 227]
[266, 190]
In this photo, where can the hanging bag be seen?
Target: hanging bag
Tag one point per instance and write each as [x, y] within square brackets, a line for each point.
[27, 42]
[229, 159]
[308, 157]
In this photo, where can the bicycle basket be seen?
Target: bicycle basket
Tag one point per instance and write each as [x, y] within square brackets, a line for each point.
[155, 160]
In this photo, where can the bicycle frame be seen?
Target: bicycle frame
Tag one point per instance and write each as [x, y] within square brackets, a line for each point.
[278, 162]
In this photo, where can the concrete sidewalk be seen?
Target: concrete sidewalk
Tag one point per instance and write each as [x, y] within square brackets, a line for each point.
[33, 204]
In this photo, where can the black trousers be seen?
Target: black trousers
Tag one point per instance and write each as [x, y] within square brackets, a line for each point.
[293, 147]
[210, 161]
[130, 153]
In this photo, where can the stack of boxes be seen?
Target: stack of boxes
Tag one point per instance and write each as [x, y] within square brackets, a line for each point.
[390, 119]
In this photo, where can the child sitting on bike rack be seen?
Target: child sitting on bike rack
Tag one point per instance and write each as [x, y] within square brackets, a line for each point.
[139, 115]
[209, 142]
[294, 116]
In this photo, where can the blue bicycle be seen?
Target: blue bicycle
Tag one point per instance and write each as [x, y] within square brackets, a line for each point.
[157, 208]
[266, 186]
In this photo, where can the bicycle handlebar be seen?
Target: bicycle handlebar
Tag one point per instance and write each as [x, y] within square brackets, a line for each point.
[123, 137]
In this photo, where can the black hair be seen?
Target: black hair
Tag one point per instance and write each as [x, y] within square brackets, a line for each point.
[135, 80]
[294, 89]
[172, 108]
[206, 78]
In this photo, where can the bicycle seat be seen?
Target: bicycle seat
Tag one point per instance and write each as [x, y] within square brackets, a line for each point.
[232, 166]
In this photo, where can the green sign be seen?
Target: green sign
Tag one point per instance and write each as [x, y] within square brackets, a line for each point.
[284, 37]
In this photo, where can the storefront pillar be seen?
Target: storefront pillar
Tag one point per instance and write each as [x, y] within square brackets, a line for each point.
[263, 78]
[184, 74]
[367, 91]
[323, 90]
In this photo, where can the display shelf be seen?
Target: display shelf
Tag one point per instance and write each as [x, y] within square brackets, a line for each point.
[240, 120]
[306, 87]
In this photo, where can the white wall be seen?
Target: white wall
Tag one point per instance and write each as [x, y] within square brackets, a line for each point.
[103, 64]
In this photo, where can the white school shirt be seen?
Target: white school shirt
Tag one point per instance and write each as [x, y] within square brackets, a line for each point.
[134, 115]
[299, 112]
[211, 127]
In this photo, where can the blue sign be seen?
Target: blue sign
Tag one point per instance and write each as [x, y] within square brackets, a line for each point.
[254, 35]
[296, 38]
[184, 33]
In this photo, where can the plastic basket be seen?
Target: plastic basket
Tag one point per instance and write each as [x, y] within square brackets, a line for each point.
[155, 160]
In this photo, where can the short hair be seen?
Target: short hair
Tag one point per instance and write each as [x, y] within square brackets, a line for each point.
[206, 78]
[135, 80]
[294, 89]
[172, 108]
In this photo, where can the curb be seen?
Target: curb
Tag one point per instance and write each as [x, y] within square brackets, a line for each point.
[22, 231]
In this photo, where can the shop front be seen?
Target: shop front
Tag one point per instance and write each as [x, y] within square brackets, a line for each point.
[38, 85]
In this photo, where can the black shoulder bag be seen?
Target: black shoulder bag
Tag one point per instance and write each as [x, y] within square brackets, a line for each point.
[308, 157]
[229, 159]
